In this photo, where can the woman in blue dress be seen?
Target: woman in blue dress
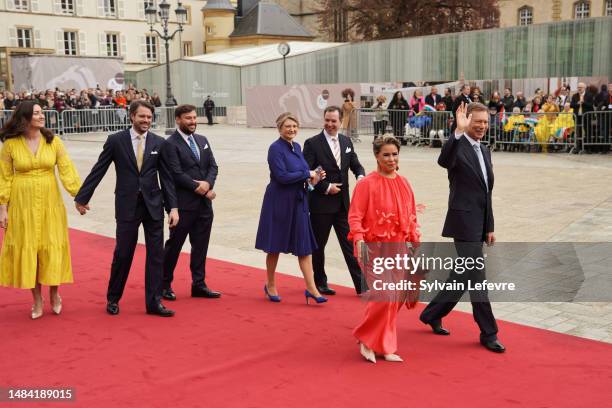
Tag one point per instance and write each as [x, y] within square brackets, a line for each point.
[284, 223]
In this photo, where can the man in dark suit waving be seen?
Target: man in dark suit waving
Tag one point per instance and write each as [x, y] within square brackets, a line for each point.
[190, 160]
[138, 200]
[469, 220]
[329, 202]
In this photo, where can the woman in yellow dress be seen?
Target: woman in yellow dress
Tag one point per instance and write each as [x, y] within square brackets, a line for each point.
[35, 250]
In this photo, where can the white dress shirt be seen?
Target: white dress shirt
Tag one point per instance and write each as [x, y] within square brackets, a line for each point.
[134, 136]
[480, 155]
[330, 142]
[186, 137]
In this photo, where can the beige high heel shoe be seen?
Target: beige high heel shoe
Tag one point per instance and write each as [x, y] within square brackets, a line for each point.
[37, 314]
[393, 357]
[57, 308]
[367, 353]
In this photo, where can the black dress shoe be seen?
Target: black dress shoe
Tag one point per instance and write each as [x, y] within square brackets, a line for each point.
[168, 294]
[437, 328]
[326, 290]
[494, 346]
[112, 308]
[198, 291]
[160, 310]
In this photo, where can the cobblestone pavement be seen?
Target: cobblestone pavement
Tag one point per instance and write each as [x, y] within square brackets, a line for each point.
[537, 198]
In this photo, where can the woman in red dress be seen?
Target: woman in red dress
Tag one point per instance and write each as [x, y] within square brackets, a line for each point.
[383, 210]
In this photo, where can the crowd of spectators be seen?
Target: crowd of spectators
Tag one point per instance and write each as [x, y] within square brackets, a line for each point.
[556, 117]
[92, 98]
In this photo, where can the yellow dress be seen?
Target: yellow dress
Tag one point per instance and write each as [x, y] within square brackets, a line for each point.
[37, 233]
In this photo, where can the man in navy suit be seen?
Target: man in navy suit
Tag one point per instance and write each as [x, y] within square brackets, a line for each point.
[138, 200]
[469, 220]
[329, 202]
[192, 165]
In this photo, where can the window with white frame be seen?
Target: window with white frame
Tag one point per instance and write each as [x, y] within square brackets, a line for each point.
[22, 5]
[151, 43]
[110, 8]
[67, 6]
[582, 9]
[112, 44]
[608, 10]
[24, 37]
[70, 42]
[525, 16]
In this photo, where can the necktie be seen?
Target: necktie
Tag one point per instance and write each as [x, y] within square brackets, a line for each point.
[483, 168]
[139, 152]
[194, 148]
[336, 150]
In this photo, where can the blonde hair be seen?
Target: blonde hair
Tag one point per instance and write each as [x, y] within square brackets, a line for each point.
[283, 117]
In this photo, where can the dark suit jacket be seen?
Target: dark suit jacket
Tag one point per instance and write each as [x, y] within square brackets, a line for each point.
[185, 168]
[587, 104]
[460, 98]
[118, 149]
[318, 153]
[430, 100]
[470, 212]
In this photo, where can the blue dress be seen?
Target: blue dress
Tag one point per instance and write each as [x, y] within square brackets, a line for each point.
[284, 223]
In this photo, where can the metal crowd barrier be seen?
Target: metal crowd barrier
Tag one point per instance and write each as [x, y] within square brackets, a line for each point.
[217, 111]
[596, 131]
[429, 127]
[521, 131]
[94, 120]
[103, 119]
[543, 132]
[52, 120]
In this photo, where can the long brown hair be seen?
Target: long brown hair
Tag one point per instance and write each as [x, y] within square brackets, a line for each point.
[19, 122]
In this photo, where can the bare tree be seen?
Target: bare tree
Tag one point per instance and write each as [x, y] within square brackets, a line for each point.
[362, 20]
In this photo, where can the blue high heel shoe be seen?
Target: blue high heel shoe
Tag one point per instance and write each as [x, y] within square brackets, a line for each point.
[272, 298]
[319, 299]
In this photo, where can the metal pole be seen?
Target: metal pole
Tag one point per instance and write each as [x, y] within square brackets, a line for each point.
[181, 44]
[169, 96]
[284, 71]
[166, 38]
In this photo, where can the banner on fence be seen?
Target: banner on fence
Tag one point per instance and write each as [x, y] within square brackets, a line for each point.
[52, 71]
[307, 102]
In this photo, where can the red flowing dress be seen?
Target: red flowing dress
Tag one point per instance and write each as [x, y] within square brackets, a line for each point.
[382, 210]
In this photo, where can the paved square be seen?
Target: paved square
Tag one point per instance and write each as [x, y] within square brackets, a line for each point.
[537, 198]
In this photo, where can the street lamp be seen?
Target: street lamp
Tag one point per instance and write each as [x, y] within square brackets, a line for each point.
[152, 15]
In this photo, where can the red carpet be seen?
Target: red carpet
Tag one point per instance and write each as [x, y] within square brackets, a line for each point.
[243, 351]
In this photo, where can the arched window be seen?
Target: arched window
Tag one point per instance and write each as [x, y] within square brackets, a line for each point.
[582, 9]
[525, 16]
[608, 8]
